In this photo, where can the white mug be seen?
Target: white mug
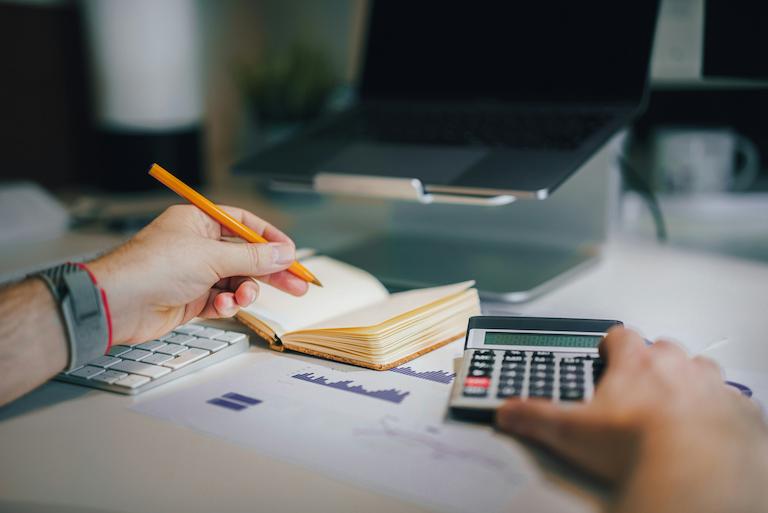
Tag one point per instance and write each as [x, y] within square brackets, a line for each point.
[702, 160]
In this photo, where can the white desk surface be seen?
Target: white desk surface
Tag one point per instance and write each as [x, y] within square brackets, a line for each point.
[66, 448]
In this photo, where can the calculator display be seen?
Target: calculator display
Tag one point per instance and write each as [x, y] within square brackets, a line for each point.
[541, 339]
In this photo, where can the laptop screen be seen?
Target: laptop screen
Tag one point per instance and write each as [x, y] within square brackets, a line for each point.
[509, 51]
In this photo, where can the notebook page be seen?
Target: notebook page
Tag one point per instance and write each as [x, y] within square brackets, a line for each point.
[397, 304]
[345, 288]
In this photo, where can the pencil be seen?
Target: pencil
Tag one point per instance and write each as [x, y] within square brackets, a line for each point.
[207, 206]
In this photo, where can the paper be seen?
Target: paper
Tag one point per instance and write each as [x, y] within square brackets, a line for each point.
[345, 288]
[383, 430]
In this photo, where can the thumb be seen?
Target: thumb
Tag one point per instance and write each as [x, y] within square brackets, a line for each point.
[244, 259]
[574, 431]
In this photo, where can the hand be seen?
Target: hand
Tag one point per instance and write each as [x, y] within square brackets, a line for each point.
[660, 418]
[178, 267]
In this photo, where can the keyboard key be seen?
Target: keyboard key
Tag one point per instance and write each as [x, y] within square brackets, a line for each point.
[207, 344]
[152, 345]
[172, 349]
[118, 350]
[157, 358]
[230, 336]
[145, 369]
[104, 361]
[86, 372]
[189, 329]
[135, 355]
[109, 377]
[209, 332]
[185, 358]
[132, 381]
[180, 339]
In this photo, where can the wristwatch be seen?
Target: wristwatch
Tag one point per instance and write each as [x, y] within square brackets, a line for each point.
[83, 309]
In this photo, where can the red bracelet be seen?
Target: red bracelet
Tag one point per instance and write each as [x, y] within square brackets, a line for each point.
[103, 300]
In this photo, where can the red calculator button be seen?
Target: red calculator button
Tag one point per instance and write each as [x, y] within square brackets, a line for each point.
[472, 381]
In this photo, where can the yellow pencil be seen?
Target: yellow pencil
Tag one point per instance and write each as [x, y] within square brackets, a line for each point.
[207, 206]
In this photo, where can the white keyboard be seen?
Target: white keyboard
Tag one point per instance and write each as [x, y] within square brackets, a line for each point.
[134, 369]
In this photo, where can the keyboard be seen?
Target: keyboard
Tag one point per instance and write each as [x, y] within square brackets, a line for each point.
[497, 127]
[136, 368]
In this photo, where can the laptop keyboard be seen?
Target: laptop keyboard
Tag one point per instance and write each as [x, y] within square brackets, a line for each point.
[469, 127]
[134, 369]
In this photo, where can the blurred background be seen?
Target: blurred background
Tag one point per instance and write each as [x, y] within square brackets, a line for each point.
[95, 90]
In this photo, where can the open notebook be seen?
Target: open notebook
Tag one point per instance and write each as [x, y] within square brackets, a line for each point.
[353, 319]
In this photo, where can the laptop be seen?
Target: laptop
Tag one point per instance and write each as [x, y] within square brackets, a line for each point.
[481, 99]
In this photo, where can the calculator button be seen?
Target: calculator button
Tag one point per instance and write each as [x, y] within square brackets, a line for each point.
[542, 366]
[513, 359]
[471, 381]
[571, 394]
[543, 354]
[511, 373]
[569, 367]
[480, 372]
[511, 352]
[475, 391]
[542, 359]
[543, 374]
[540, 392]
[572, 376]
[572, 385]
[480, 365]
[482, 358]
[510, 391]
[570, 359]
[483, 352]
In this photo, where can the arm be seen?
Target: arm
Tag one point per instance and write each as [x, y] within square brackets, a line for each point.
[175, 269]
[33, 343]
[662, 427]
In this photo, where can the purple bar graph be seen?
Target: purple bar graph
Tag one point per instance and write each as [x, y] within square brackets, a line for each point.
[392, 395]
[438, 376]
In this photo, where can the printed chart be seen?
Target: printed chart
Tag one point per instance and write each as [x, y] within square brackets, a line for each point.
[392, 395]
[438, 376]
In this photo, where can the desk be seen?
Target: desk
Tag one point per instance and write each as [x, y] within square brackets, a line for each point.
[57, 455]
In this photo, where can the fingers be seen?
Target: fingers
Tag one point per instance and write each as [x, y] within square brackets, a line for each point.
[238, 259]
[286, 282]
[255, 223]
[619, 345]
[569, 430]
[708, 365]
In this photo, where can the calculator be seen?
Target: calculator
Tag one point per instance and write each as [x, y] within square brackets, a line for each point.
[526, 357]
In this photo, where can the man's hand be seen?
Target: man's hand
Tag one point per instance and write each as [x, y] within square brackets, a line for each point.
[662, 426]
[179, 267]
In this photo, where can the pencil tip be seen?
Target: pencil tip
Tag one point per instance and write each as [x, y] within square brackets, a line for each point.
[317, 282]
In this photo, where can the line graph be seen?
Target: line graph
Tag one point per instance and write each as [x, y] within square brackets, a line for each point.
[438, 376]
[430, 441]
[392, 395]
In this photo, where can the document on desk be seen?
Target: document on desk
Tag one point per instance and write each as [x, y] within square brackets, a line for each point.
[383, 430]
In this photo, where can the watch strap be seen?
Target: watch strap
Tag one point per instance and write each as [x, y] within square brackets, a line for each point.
[83, 309]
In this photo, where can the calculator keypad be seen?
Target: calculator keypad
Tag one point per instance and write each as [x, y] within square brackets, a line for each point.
[541, 374]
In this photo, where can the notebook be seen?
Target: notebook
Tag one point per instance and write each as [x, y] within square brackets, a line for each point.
[354, 319]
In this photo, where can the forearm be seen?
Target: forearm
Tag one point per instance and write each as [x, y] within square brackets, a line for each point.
[697, 470]
[33, 343]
